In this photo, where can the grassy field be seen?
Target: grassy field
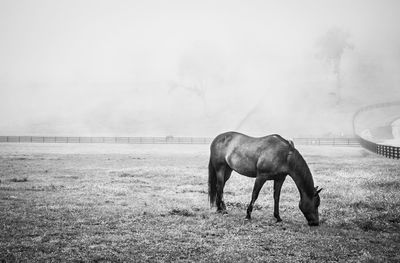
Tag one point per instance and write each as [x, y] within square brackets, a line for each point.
[105, 202]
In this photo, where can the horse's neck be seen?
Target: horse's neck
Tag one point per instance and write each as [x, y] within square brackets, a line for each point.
[301, 175]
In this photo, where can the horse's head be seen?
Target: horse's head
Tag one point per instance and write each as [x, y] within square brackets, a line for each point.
[309, 207]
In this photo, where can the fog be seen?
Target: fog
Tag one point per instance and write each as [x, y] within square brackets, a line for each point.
[194, 68]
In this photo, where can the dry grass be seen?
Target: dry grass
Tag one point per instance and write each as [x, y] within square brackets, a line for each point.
[149, 203]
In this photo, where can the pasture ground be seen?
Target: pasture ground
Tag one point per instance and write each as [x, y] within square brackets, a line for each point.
[137, 203]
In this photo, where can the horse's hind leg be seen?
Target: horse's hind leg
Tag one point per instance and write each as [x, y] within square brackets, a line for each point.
[228, 172]
[260, 180]
[277, 192]
[223, 174]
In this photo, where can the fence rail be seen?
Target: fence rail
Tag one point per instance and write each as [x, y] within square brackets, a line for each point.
[122, 140]
[327, 141]
[162, 140]
[381, 149]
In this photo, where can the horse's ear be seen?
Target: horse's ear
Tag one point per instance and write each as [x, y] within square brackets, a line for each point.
[319, 190]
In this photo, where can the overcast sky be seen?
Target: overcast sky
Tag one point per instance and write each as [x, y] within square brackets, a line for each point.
[118, 67]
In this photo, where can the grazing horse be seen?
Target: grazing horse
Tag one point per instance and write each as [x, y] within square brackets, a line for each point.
[266, 158]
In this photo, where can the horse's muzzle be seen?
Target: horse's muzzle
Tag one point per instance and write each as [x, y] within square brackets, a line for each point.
[316, 223]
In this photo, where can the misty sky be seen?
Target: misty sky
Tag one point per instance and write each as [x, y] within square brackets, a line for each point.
[189, 67]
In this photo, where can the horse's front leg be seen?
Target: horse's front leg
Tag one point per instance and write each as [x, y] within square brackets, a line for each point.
[277, 192]
[260, 180]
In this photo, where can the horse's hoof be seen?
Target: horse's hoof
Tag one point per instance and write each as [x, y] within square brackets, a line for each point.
[278, 220]
[224, 212]
[248, 218]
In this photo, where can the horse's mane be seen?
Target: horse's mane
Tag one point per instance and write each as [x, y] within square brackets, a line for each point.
[301, 168]
[299, 165]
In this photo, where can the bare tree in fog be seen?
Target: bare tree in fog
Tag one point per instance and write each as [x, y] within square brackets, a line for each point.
[200, 69]
[331, 47]
[250, 113]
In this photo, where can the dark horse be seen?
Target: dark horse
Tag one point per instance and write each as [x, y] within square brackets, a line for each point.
[266, 158]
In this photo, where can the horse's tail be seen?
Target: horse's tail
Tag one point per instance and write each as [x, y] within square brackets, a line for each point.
[212, 184]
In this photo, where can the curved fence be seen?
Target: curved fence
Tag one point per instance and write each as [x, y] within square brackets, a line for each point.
[377, 118]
